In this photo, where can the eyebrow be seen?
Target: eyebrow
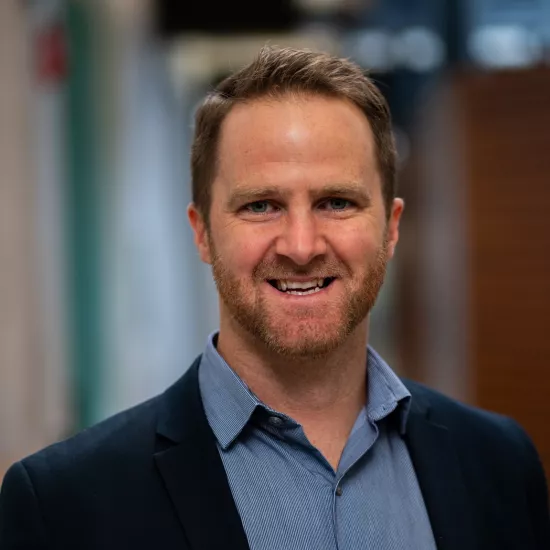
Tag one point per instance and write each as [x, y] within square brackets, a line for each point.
[244, 196]
[352, 190]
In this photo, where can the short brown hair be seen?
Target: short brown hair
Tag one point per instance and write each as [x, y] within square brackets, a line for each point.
[274, 73]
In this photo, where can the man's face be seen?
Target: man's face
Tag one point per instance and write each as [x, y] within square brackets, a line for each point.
[298, 239]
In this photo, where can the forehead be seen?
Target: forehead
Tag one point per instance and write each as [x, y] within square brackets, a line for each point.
[265, 137]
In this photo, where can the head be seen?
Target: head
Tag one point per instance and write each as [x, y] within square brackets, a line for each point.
[294, 205]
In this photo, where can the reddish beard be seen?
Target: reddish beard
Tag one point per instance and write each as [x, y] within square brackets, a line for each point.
[250, 311]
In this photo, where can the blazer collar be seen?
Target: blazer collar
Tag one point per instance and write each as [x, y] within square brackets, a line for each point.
[439, 475]
[193, 471]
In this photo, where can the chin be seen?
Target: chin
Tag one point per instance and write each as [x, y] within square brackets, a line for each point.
[303, 342]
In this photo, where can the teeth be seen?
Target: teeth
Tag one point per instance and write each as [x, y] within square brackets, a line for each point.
[299, 285]
[304, 292]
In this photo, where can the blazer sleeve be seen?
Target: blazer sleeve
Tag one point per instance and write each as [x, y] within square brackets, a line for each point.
[21, 520]
[537, 490]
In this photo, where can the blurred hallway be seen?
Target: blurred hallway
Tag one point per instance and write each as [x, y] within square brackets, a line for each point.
[103, 301]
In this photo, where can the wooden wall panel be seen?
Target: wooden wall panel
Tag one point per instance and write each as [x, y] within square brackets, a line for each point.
[507, 132]
[483, 139]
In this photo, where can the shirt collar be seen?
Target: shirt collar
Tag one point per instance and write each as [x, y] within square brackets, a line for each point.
[385, 392]
[229, 403]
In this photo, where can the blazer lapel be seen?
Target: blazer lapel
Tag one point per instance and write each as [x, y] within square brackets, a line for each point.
[440, 479]
[193, 471]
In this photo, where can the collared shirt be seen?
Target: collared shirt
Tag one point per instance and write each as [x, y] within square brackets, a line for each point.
[289, 496]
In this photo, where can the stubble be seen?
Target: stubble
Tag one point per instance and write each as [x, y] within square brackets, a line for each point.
[307, 333]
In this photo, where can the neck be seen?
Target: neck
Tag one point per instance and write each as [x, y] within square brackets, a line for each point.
[324, 394]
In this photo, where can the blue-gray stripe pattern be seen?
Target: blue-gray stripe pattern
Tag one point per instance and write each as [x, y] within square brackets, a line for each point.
[287, 494]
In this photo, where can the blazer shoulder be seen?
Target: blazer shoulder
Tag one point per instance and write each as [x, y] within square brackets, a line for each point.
[494, 447]
[115, 439]
[124, 441]
[466, 420]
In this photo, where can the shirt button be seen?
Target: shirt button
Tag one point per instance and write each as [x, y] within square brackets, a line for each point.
[276, 421]
[339, 491]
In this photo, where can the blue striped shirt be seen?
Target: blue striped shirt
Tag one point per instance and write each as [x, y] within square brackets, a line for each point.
[288, 495]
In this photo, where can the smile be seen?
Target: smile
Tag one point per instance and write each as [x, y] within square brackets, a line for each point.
[301, 288]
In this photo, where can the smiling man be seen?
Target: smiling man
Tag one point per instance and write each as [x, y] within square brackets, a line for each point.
[289, 432]
[298, 233]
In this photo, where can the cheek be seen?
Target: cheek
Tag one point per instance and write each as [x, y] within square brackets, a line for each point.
[241, 248]
[355, 245]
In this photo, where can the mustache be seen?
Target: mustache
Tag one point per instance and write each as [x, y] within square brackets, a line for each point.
[277, 269]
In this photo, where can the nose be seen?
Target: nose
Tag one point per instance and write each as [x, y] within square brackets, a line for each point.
[300, 239]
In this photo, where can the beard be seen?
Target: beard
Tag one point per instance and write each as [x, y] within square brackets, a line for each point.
[309, 332]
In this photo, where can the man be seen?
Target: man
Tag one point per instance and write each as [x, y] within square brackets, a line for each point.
[288, 432]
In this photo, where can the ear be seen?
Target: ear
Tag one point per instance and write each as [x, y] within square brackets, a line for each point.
[200, 233]
[397, 208]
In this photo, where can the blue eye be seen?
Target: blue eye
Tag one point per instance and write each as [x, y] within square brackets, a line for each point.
[258, 207]
[338, 204]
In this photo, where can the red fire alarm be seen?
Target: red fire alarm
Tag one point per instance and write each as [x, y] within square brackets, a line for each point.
[51, 55]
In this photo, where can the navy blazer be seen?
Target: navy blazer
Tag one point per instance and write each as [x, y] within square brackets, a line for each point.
[151, 477]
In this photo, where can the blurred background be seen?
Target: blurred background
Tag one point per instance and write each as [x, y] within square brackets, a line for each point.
[103, 301]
